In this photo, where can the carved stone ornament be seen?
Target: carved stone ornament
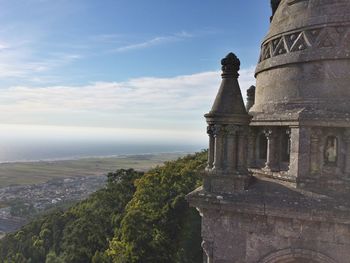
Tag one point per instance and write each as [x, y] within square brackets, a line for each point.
[269, 133]
[315, 38]
[218, 130]
[230, 65]
[210, 130]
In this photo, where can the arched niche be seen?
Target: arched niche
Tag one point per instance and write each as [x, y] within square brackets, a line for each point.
[296, 256]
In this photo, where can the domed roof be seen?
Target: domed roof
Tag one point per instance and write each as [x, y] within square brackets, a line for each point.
[305, 59]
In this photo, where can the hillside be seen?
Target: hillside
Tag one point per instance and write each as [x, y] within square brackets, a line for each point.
[138, 217]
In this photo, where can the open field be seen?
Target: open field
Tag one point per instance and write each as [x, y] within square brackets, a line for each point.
[23, 173]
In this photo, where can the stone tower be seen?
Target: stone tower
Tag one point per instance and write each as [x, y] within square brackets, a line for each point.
[277, 185]
[227, 129]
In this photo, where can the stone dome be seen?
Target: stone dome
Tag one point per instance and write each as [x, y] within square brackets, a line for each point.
[304, 67]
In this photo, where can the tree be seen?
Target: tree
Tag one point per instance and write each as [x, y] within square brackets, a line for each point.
[137, 217]
[158, 217]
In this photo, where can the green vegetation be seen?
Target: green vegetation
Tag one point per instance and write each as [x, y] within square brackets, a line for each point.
[138, 217]
[24, 173]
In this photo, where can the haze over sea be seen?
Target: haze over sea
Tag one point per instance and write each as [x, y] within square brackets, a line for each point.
[34, 143]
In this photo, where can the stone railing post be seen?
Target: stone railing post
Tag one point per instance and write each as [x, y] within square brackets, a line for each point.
[271, 148]
[210, 131]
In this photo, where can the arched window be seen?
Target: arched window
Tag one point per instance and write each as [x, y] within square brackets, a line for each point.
[331, 150]
[262, 147]
[298, 260]
[296, 256]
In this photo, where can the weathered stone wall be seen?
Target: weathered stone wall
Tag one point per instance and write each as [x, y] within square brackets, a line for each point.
[245, 238]
[323, 85]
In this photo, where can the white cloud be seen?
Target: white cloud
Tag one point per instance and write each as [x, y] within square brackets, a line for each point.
[19, 64]
[154, 41]
[160, 103]
[23, 57]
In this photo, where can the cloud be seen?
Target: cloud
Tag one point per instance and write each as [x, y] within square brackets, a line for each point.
[19, 63]
[160, 103]
[155, 41]
[25, 56]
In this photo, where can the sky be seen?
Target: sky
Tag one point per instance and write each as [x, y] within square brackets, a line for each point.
[112, 67]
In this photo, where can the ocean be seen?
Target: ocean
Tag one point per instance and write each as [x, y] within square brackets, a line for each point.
[68, 150]
[22, 143]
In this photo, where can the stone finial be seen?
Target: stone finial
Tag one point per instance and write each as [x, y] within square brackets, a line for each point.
[230, 66]
[229, 99]
[250, 97]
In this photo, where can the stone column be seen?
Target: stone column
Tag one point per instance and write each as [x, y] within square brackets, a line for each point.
[271, 148]
[252, 148]
[300, 152]
[288, 132]
[231, 148]
[208, 250]
[242, 149]
[347, 153]
[314, 151]
[218, 148]
[210, 131]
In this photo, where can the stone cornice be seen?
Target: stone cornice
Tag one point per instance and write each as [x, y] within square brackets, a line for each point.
[276, 200]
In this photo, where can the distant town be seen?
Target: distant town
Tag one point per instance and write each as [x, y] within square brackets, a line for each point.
[21, 203]
[29, 189]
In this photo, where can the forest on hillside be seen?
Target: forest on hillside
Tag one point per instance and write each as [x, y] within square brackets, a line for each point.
[137, 217]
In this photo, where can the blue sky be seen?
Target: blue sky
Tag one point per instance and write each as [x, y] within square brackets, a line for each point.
[127, 65]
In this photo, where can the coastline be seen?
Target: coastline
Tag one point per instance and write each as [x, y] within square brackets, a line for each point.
[75, 158]
[40, 171]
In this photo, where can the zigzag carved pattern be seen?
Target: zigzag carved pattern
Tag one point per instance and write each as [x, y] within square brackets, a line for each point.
[323, 37]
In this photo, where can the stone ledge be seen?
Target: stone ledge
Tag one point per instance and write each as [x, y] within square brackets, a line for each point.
[270, 198]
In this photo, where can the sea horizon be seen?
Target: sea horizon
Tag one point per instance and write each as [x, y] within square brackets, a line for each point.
[73, 158]
[63, 152]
